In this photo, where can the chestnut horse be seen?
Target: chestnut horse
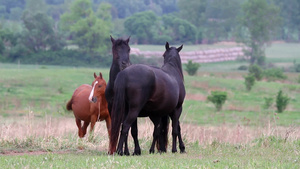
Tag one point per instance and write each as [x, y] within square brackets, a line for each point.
[89, 105]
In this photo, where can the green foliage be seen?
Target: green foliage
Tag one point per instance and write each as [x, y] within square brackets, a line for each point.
[38, 33]
[249, 81]
[256, 71]
[87, 30]
[243, 67]
[258, 27]
[67, 58]
[180, 30]
[297, 67]
[281, 101]
[191, 67]
[274, 73]
[268, 102]
[218, 98]
[141, 26]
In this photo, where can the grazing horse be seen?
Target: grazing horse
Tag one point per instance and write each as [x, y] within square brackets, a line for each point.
[142, 90]
[120, 51]
[89, 105]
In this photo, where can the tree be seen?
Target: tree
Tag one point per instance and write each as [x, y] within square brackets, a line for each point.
[221, 19]
[38, 33]
[87, 30]
[141, 25]
[180, 30]
[290, 11]
[194, 12]
[258, 24]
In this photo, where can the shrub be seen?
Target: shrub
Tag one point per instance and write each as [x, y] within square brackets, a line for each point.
[256, 71]
[218, 98]
[268, 102]
[243, 67]
[274, 73]
[281, 101]
[191, 67]
[297, 67]
[249, 81]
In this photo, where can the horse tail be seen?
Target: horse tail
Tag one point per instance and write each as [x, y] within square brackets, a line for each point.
[117, 114]
[69, 105]
[162, 142]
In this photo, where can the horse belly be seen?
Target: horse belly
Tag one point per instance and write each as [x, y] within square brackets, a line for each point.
[81, 107]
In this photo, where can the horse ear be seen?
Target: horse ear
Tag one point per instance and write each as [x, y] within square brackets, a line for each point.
[167, 46]
[127, 40]
[112, 39]
[100, 74]
[179, 49]
[95, 75]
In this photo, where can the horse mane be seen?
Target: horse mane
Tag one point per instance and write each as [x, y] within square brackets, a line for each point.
[175, 61]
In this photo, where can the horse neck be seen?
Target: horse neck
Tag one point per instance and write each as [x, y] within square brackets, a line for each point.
[114, 70]
[173, 68]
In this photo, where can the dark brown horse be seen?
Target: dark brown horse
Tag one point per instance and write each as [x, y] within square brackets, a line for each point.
[120, 51]
[89, 105]
[142, 90]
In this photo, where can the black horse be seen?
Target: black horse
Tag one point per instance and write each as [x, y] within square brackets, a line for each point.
[120, 50]
[142, 90]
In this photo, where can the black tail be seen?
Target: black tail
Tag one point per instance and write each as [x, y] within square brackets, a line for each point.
[162, 142]
[117, 114]
[69, 105]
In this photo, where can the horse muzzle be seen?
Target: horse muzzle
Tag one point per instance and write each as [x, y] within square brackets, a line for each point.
[93, 100]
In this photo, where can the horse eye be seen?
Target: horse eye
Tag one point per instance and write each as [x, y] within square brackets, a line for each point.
[100, 86]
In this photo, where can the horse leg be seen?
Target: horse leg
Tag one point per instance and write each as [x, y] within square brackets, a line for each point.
[80, 132]
[84, 127]
[134, 134]
[181, 144]
[108, 126]
[130, 118]
[93, 122]
[176, 130]
[156, 132]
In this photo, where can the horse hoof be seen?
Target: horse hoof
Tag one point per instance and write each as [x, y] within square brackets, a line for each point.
[136, 153]
[182, 151]
[127, 153]
[174, 151]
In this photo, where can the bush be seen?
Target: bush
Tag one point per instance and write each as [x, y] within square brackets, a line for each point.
[274, 73]
[268, 102]
[249, 81]
[191, 67]
[256, 71]
[243, 67]
[218, 98]
[297, 67]
[281, 101]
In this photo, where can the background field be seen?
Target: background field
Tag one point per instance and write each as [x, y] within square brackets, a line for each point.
[37, 131]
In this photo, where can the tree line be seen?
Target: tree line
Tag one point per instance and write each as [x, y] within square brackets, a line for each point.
[59, 31]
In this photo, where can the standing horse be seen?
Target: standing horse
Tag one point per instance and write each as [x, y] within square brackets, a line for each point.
[142, 90]
[120, 51]
[89, 105]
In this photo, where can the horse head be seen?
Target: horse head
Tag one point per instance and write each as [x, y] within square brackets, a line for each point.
[98, 90]
[171, 56]
[120, 51]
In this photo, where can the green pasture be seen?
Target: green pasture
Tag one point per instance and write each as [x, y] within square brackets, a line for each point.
[45, 90]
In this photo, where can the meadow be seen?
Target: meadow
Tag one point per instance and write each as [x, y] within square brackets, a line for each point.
[36, 131]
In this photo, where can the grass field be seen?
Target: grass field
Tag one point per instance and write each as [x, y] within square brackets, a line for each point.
[36, 131]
